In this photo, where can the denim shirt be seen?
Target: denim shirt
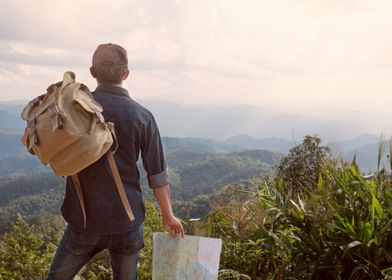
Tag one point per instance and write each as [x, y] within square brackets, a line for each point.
[137, 133]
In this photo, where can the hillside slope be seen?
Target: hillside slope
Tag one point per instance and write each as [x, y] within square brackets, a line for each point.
[190, 174]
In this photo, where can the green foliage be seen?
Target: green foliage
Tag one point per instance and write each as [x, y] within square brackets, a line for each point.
[342, 231]
[152, 224]
[98, 268]
[202, 178]
[232, 274]
[50, 226]
[300, 169]
[24, 253]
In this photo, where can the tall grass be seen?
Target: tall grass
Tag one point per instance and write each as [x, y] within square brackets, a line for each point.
[340, 230]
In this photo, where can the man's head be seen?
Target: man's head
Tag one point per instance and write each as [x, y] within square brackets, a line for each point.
[110, 64]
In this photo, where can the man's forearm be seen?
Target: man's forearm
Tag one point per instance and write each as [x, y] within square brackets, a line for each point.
[162, 195]
[171, 224]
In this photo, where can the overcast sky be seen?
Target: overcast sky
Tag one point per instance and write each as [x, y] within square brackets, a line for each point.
[280, 54]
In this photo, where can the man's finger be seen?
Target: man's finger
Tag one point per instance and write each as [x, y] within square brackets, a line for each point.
[181, 232]
[171, 232]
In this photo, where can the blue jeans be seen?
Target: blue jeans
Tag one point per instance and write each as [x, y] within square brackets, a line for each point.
[77, 248]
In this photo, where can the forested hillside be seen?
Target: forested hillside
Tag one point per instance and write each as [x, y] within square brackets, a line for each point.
[10, 121]
[194, 174]
[29, 196]
[10, 144]
[28, 187]
[20, 165]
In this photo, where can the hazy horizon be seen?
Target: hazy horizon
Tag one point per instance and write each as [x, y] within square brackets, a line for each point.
[225, 121]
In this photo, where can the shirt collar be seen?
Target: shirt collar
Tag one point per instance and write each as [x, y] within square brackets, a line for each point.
[112, 89]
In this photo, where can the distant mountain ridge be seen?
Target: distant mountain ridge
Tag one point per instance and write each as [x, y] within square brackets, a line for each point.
[274, 144]
[364, 146]
[9, 121]
[11, 128]
[360, 141]
[198, 145]
[10, 144]
[222, 122]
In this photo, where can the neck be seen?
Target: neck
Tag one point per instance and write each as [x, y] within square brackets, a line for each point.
[113, 85]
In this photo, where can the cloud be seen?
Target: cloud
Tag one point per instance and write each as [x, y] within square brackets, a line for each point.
[282, 53]
[24, 53]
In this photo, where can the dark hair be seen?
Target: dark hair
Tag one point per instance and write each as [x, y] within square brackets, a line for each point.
[110, 75]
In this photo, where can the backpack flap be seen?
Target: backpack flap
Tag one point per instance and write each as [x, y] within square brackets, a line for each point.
[41, 108]
[67, 129]
[40, 104]
[27, 111]
[90, 106]
[68, 78]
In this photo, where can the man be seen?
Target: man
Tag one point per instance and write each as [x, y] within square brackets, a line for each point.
[108, 226]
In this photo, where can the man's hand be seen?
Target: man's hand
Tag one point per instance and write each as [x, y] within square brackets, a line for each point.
[173, 226]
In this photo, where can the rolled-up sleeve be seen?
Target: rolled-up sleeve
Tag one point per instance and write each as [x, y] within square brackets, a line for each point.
[153, 156]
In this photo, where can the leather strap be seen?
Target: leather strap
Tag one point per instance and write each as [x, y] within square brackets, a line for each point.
[79, 192]
[120, 186]
[114, 147]
[117, 180]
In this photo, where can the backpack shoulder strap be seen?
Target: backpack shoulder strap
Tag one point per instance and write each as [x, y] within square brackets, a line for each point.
[117, 180]
[79, 192]
[116, 174]
[119, 185]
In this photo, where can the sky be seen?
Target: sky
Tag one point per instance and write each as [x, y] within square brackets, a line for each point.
[283, 54]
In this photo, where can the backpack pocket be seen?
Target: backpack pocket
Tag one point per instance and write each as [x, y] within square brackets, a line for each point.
[52, 132]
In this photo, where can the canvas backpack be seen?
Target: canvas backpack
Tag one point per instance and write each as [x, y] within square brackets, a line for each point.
[68, 132]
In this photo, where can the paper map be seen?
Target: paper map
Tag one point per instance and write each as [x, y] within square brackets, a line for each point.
[190, 258]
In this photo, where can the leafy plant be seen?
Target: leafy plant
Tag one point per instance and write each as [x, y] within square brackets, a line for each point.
[24, 254]
[342, 230]
[300, 169]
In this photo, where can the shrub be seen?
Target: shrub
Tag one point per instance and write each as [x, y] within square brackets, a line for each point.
[300, 169]
[342, 231]
[24, 253]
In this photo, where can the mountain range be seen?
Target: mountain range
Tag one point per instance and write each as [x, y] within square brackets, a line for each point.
[15, 159]
[222, 122]
[227, 129]
[201, 164]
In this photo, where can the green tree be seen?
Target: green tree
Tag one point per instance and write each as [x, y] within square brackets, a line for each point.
[300, 169]
[24, 253]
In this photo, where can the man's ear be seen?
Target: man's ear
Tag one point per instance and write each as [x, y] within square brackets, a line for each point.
[126, 74]
[92, 72]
